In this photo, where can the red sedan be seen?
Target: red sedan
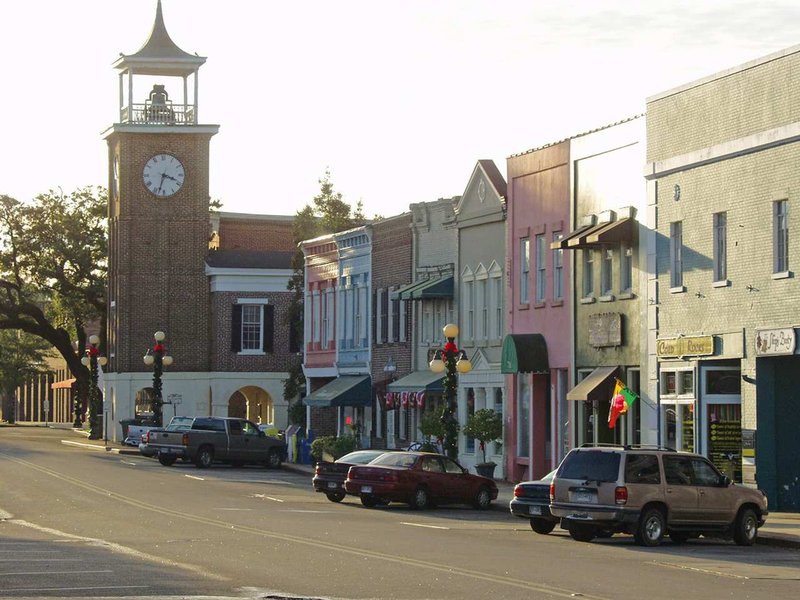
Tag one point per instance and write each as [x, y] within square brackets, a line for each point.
[420, 479]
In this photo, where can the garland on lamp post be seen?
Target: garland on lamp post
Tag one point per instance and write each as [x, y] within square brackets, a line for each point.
[91, 359]
[450, 361]
[158, 358]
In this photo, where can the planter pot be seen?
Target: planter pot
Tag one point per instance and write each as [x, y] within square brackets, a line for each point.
[485, 469]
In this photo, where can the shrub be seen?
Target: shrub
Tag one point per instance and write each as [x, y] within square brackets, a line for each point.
[335, 447]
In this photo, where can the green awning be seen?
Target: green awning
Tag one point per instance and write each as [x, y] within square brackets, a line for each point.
[347, 390]
[405, 289]
[437, 287]
[597, 385]
[418, 381]
[524, 353]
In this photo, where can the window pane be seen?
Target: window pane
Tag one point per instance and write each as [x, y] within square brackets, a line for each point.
[669, 382]
[687, 382]
[558, 269]
[525, 266]
[626, 269]
[676, 254]
[251, 327]
[720, 246]
[723, 382]
[588, 272]
[677, 470]
[606, 270]
[642, 468]
[601, 466]
[540, 268]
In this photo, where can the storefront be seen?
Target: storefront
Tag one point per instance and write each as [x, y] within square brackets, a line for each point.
[700, 401]
[775, 447]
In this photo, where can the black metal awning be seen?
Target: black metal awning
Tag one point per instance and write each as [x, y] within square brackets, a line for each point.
[524, 353]
[347, 390]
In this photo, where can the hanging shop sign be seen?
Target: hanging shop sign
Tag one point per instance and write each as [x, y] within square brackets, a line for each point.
[702, 345]
[775, 342]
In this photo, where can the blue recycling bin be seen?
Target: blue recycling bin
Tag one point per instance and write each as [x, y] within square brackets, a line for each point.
[305, 452]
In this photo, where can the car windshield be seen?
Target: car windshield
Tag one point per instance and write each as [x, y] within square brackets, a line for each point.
[360, 457]
[396, 459]
[590, 466]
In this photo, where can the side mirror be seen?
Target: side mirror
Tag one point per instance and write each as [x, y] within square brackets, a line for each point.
[724, 481]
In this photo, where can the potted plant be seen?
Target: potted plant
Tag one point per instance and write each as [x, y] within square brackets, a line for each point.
[486, 426]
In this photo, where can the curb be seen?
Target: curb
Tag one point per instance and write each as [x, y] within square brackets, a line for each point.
[99, 447]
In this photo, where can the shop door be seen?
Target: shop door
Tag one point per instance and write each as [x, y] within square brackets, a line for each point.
[721, 399]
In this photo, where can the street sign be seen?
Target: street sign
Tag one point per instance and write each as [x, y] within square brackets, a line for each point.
[174, 398]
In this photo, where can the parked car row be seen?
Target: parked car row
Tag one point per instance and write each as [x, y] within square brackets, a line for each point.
[419, 479]
[644, 491]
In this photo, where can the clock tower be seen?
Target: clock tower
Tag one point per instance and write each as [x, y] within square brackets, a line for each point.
[158, 209]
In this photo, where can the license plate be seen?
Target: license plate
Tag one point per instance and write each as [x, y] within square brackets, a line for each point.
[332, 485]
[366, 489]
[535, 510]
[586, 497]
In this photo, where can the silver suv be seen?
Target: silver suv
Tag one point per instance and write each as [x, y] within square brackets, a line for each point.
[650, 492]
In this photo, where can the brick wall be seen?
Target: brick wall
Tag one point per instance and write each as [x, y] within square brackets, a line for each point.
[224, 359]
[256, 233]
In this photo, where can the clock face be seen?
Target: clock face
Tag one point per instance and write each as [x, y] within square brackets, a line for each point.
[163, 175]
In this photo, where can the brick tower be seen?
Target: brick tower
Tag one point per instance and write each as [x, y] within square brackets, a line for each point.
[158, 216]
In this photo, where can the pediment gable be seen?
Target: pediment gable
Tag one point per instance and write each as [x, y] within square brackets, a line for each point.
[485, 195]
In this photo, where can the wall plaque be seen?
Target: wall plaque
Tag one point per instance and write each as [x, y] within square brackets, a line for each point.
[605, 329]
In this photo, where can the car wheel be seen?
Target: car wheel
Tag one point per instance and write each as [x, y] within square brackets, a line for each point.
[483, 499]
[745, 529]
[542, 526]
[651, 527]
[369, 501]
[167, 460]
[274, 459]
[335, 496]
[679, 537]
[420, 500]
[580, 532]
[204, 458]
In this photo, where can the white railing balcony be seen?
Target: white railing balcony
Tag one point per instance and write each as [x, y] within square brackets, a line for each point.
[158, 114]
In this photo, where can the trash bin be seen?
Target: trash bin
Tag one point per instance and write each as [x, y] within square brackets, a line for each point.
[125, 424]
[305, 452]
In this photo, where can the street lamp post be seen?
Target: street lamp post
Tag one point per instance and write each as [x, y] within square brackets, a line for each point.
[450, 360]
[90, 360]
[157, 358]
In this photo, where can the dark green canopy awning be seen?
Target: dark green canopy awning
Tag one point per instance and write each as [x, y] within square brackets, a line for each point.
[347, 390]
[438, 287]
[524, 353]
[418, 381]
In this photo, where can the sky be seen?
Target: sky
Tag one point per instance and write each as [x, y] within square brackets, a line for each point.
[398, 100]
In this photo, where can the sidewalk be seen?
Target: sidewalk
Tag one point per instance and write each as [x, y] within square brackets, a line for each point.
[781, 528]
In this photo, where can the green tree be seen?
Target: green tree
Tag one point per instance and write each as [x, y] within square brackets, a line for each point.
[328, 213]
[22, 357]
[53, 272]
[484, 425]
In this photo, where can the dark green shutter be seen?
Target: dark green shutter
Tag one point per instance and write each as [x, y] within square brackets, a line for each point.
[268, 327]
[236, 328]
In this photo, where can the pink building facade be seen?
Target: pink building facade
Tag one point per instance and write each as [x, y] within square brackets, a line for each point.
[536, 354]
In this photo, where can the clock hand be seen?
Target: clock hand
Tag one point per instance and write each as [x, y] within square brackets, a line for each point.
[161, 183]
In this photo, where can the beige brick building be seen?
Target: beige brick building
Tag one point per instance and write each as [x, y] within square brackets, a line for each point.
[723, 188]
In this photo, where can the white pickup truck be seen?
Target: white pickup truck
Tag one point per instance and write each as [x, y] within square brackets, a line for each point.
[205, 440]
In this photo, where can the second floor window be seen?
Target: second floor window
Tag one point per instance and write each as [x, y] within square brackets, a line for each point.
[625, 269]
[470, 302]
[780, 235]
[484, 300]
[252, 326]
[720, 246]
[676, 254]
[497, 283]
[588, 272]
[606, 268]
[558, 269]
[525, 267]
[541, 266]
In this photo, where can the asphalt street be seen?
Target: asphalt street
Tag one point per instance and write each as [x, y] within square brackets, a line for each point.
[88, 524]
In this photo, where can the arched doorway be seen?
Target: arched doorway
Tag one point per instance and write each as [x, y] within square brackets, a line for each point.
[252, 403]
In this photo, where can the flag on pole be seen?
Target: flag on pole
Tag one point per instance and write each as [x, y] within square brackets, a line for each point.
[621, 400]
